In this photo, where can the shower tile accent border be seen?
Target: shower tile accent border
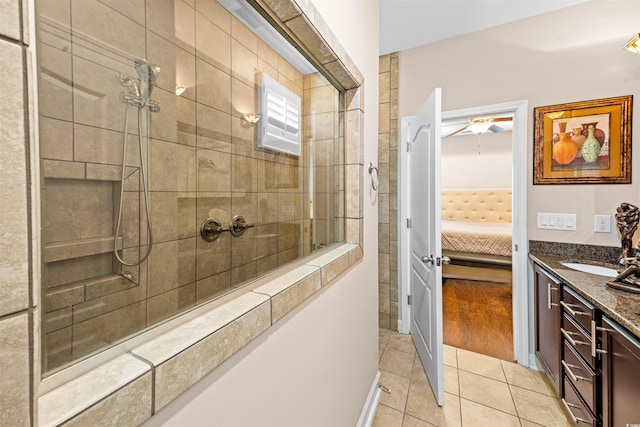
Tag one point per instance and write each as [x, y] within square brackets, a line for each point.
[188, 352]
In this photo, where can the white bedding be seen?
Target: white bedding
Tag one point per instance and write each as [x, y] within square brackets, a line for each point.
[481, 237]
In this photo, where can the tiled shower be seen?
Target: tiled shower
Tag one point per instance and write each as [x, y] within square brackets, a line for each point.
[201, 158]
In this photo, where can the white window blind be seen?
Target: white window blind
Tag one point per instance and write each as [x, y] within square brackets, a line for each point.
[279, 128]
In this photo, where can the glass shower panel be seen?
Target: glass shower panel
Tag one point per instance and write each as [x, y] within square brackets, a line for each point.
[178, 84]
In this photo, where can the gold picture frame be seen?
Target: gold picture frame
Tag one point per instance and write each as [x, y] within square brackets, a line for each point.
[564, 151]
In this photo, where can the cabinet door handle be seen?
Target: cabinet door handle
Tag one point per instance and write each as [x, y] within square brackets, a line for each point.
[573, 342]
[572, 311]
[575, 419]
[549, 289]
[574, 377]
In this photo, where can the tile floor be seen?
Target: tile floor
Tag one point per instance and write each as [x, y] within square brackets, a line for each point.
[479, 390]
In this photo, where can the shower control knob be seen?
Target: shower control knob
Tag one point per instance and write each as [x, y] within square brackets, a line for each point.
[238, 226]
[211, 229]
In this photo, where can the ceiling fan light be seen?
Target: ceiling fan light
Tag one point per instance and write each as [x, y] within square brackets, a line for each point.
[479, 126]
[633, 45]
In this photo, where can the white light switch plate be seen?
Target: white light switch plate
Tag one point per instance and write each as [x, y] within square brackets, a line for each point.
[556, 221]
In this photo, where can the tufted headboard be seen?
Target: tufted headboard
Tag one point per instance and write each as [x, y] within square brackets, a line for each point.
[477, 204]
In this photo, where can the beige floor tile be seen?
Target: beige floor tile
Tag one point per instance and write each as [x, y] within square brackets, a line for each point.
[451, 380]
[452, 412]
[399, 387]
[486, 391]
[397, 362]
[539, 408]
[417, 374]
[524, 377]
[421, 403]
[475, 414]
[480, 364]
[526, 423]
[387, 417]
[410, 421]
[402, 342]
[450, 357]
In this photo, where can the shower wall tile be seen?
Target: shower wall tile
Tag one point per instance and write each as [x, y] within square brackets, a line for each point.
[173, 214]
[185, 25]
[161, 18]
[59, 346]
[243, 100]
[168, 304]
[63, 170]
[182, 371]
[186, 73]
[97, 332]
[98, 172]
[171, 265]
[74, 210]
[129, 406]
[213, 87]
[243, 62]
[173, 167]
[110, 41]
[243, 137]
[56, 320]
[213, 257]
[216, 13]
[244, 35]
[56, 139]
[244, 172]
[213, 286]
[214, 171]
[96, 307]
[217, 54]
[186, 126]
[95, 145]
[246, 205]
[75, 270]
[214, 129]
[163, 53]
[132, 9]
[14, 365]
[55, 91]
[243, 274]
[268, 55]
[163, 123]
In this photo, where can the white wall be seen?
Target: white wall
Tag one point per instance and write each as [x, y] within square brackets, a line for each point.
[477, 161]
[315, 366]
[573, 54]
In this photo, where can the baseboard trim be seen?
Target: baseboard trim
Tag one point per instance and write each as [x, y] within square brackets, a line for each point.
[371, 404]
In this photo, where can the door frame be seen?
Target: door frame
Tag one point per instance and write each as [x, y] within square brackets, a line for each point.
[520, 243]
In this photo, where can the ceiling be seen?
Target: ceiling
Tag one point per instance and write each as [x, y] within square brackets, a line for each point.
[405, 24]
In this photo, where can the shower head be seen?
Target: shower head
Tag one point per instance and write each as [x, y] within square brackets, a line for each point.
[148, 74]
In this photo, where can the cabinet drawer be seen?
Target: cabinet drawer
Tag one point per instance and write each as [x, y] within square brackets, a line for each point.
[578, 339]
[579, 375]
[576, 307]
[581, 414]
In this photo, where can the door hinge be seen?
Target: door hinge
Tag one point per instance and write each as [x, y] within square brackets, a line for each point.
[408, 146]
[408, 222]
[516, 247]
[409, 299]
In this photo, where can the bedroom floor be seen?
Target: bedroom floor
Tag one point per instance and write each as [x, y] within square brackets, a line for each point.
[479, 390]
[478, 317]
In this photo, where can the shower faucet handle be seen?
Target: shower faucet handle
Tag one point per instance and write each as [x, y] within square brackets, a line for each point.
[211, 229]
[238, 226]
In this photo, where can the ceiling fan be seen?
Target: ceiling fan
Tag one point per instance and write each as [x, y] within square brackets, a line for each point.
[479, 125]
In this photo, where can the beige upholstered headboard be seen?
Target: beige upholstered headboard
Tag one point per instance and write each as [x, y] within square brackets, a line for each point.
[477, 204]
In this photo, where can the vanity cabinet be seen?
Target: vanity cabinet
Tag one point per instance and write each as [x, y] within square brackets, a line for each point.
[548, 292]
[620, 376]
[593, 361]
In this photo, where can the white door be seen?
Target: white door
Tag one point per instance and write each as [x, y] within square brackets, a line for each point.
[425, 241]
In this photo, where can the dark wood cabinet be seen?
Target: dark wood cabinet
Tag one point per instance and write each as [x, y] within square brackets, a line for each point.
[620, 376]
[548, 341]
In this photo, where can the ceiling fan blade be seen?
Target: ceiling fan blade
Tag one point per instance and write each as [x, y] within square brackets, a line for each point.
[502, 119]
[454, 124]
[459, 130]
[495, 129]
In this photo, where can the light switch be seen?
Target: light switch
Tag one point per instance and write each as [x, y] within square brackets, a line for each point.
[557, 221]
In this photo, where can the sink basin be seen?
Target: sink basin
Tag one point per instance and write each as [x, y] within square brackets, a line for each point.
[591, 268]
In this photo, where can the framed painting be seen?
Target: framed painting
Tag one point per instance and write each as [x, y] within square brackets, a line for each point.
[587, 142]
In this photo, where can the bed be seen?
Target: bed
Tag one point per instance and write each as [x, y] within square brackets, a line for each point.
[476, 233]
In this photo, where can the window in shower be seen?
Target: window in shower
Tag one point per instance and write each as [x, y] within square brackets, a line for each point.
[147, 118]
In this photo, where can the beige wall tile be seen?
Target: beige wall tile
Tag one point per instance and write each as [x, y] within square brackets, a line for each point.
[171, 265]
[214, 87]
[58, 346]
[182, 371]
[173, 167]
[243, 274]
[56, 139]
[163, 306]
[95, 145]
[54, 83]
[214, 170]
[244, 171]
[243, 62]
[214, 129]
[213, 257]
[185, 25]
[213, 286]
[215, 13]
[134, 9]
[59, 169]
[244, 35]
[15, 378]
[74, 270]
[173, 215]
[217, 54]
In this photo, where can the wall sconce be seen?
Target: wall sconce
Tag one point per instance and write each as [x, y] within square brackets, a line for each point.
[633, 45]
[180, 88]
[252, 118]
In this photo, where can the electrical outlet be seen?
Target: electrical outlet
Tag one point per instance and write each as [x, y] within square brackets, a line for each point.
[602, 224]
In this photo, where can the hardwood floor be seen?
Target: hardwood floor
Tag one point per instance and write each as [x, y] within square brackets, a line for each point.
[478, 317]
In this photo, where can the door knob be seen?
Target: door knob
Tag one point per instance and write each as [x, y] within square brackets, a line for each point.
[446, 260]
[427, 259]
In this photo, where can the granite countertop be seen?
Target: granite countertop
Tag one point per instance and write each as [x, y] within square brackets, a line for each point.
[621, 306]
